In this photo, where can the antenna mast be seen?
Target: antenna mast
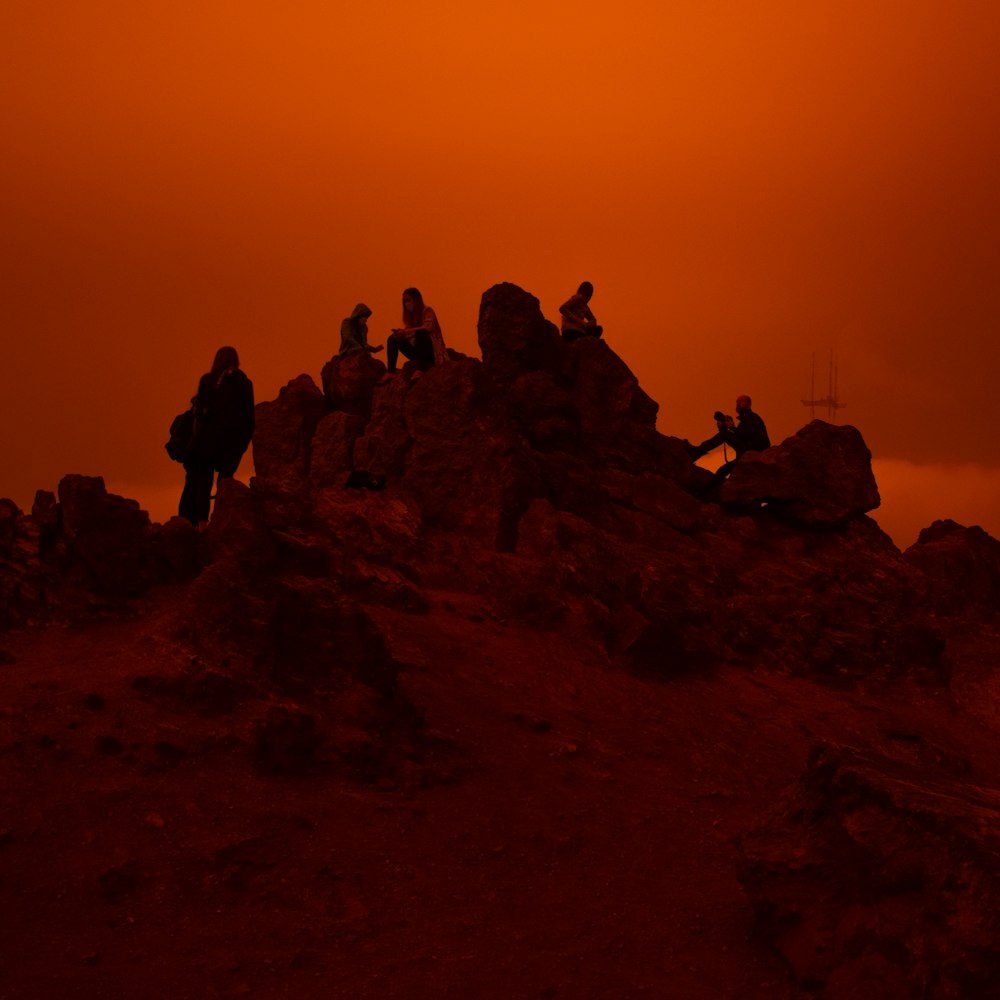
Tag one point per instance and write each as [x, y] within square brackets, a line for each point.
[831, 401]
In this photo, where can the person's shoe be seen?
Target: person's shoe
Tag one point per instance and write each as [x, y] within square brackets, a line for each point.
[387, 377]
[417, 374]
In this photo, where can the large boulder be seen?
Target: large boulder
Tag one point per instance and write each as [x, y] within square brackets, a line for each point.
[332, 449]
[879, 876]
[820, 477]
[349, 380]
[106, 535]
[962, 567]
[514, 336]
[283, 436]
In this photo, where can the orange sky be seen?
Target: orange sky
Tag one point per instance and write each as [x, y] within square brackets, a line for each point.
[746, 183]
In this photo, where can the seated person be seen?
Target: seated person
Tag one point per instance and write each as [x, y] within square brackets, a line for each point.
[749, 434]
[577, 319]
[419, 338]
[354, 331]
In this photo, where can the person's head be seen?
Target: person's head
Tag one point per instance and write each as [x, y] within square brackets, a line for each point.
[225, 358]
[742, 404]
[413, 307]
[586, 289]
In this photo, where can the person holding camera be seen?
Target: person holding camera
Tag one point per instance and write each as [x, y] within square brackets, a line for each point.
[747, 433]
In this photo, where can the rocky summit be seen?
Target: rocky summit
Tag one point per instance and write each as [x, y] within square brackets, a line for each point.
[680, 747]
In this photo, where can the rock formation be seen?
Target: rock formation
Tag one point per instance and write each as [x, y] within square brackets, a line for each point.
[535, 481]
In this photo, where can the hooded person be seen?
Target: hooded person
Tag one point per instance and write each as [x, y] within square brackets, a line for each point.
[354, 331]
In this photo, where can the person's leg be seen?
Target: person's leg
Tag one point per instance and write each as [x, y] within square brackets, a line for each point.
[573, 334]
[423, 350]
[420, 350]
[196, 498]
[391, 353]
[697, 450]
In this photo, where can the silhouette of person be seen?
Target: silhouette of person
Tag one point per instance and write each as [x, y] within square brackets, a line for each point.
[223, 427]
[419, 338]
[354, 331]
[749, 434]
[577, 319]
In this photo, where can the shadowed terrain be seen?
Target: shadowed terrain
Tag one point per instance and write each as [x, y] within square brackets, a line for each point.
[533, 720]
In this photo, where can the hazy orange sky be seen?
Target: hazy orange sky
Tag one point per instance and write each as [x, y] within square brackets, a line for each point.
[745, 183]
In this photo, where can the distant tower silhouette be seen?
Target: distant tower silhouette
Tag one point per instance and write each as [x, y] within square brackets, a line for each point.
[831, 401]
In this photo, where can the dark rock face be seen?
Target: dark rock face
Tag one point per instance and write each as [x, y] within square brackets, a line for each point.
[537, 476]
[962, 566]
[348, 382]
[818, 477]
[880, 875]
[283, 436]
[106, 535]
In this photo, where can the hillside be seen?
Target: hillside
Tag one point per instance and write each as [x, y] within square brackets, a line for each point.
[535, 720]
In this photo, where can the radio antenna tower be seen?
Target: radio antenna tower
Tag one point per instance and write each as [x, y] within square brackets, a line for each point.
[831, 400]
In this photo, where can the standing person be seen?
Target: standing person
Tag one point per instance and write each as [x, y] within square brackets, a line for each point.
[750, 434]
[577, 319]
[354, 331]
[223, 427]
[419, 338]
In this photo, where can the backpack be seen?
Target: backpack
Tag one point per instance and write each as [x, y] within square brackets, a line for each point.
[181, 433]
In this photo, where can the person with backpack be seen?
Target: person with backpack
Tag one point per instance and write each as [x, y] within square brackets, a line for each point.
[223, 428]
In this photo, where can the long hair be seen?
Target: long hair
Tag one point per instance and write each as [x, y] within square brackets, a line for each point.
[418, 312]
[225, 358]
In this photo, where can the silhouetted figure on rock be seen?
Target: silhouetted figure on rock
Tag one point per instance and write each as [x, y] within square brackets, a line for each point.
[749, 434]
[419, 338]
[354, 332]
[224, 425]
[577, 319]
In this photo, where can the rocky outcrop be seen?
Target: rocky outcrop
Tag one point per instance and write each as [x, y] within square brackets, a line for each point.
[537, 478]
[962, 566]
[282, 441]
[878, 877]
[821, 476]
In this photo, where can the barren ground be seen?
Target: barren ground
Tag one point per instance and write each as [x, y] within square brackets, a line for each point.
[569, 832]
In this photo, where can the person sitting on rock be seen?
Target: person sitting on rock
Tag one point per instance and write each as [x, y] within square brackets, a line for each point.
[577, 319]
[223, 428]
[354, 332]
[749, 434]
[419, 338]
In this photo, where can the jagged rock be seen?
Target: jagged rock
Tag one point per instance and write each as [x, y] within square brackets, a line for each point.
[46, 515]
[182, 550]
[107, 535]
[238, 529]
[466, 467]
[348, 382]
[9, 513]
[879, 877]
[514, 336]
[820, 476]
[962, 567]
[283, 436]
[382, 448]
[333, 447]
